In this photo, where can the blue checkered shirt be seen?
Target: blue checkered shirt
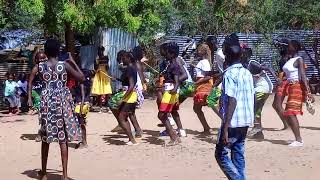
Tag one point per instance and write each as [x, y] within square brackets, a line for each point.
[238, 83]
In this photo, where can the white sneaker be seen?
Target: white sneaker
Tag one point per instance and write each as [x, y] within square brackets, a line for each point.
[171, 120]
[131, 143]
[296, 144]
[182, 133]
[317, 94]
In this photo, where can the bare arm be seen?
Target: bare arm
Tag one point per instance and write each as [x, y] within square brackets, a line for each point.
[184, 75]
[82, 98]
[203, 80]
[231, 106]
[140, 72]
[31, 78]
[272, 72]
[78, 75]
[176, 84]
[302, 73]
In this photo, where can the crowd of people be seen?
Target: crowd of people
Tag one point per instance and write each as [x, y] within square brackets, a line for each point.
[235, 87]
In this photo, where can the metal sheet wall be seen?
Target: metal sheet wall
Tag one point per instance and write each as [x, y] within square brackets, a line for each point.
[115, 40]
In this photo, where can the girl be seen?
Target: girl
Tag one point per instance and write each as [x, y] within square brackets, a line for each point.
[296, 88]
[11, 94]
[101, 83]
[58, 120]
[127, 105]
[170, 97]
[203, 84]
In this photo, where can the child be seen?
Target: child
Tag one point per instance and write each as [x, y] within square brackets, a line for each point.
[82, 99]
[11, 94]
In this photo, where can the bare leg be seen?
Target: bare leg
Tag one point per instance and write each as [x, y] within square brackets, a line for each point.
[177, 119]
[198, 110]
[44, 160]
[84, 135]
[294, 124]
[277, 106]
[164, 119]
[134, 121]
[64, 159]
[100, 102]
[216, 110]
[124, 123]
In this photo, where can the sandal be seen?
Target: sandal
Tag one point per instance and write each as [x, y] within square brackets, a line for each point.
[42, 176]
[173, 142]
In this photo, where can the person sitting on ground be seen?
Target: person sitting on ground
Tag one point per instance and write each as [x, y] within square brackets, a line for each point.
[11, 93]
[314, 84]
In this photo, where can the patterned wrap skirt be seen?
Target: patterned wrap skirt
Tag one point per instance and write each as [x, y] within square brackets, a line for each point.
[202, 92]
[296, 96]
[59, 122]
[214, 97]
[186, 89]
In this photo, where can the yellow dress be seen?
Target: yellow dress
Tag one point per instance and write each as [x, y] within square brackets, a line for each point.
[101, 83]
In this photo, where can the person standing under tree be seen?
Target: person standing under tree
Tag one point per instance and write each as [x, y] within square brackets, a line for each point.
[101, 82]
[237, 111]
[57, 118]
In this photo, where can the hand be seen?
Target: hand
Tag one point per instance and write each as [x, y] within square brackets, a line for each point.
[173, 91]
[145, 87]
[225, 135]
[310, 97]
[30, 104]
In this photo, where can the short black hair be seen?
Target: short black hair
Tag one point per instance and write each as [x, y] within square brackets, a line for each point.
[129, 56]
[138, 53]
[101, 49]
[296, 44]
[232, 49]
[120, 55]
[173, 48]
[212, 40]
[52, 48]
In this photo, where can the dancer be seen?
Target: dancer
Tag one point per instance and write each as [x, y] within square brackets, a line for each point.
[238, 112]
[58, 121]
[128, 103]
[101, 83]
[296, 88]
[139, 56]
[203, 85]
[82, 99]
[279, 97]
[170, 97]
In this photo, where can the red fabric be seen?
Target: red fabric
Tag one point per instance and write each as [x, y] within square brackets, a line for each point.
[71, 83]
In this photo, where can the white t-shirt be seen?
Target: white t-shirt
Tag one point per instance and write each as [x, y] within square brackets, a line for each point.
[262, 83]
[220, 58]
[186, 69]
[23, 86]
[202, 67]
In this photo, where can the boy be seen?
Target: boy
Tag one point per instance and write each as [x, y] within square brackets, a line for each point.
[237, 112]
[82, 99]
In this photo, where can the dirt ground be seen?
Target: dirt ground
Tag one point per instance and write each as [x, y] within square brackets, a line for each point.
[107, 158]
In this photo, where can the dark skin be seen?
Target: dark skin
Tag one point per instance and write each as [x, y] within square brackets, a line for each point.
[299, 63]
[78, 75]
[197, 108]
[123, 116]
[84, 143]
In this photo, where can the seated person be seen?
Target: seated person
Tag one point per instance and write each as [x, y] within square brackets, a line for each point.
[314, 84]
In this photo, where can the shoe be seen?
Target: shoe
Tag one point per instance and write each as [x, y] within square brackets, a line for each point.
[130, 143]
[296, 144]
[182, 133]
[317, 94]
[163, 133]
[256, 133]
[171, 120]
[138, 135]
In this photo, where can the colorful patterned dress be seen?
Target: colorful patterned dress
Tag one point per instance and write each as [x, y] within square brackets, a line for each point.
[57, 118]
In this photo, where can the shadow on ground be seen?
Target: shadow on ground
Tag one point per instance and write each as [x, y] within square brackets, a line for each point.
[28, 137]
[52, 174]
[204, 137]
[273, 141]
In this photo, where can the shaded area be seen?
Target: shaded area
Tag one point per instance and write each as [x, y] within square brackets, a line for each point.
[153, 137]
[28, 137]
[51, 173]
[311, 128]
[203, 136]
[13, 121]
[113, 139]
[273, 141]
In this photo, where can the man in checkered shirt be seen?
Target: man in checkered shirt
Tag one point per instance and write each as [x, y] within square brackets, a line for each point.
[237, 110]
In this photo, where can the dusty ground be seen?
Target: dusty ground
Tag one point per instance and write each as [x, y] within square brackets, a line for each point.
[108, 158]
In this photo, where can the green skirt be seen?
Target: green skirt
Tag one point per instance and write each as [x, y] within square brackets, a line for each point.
[187, 89]
[114, 99]
[214, 97]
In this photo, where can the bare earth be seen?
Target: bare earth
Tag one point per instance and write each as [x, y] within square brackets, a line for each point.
[108, 158]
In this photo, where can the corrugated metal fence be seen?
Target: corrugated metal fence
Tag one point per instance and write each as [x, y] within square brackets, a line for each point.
[115, 40]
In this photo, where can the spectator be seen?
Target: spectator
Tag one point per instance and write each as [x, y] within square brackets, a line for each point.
[314, 83]
[11, 94]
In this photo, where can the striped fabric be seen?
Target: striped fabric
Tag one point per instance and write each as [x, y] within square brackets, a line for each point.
[169, 102]
[296, 97]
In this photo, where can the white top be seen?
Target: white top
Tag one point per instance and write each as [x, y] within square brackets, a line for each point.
[262, 83]
[292, 73]
[139, 83]
[202, 67]
[220, 58]
[23, 86]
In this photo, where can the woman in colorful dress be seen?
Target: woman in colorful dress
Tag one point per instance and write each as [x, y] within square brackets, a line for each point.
[58, 120]
[203, 84]
[296, 88]
[101, 82]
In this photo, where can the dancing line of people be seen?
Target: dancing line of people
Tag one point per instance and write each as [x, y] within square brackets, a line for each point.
[236, 91]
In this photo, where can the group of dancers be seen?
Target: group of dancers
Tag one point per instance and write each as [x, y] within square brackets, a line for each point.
[61, 121]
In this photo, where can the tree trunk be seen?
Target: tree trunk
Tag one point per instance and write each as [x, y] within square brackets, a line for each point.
[69, 39]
